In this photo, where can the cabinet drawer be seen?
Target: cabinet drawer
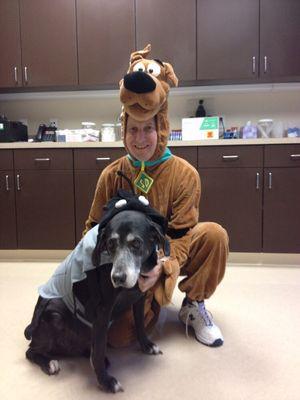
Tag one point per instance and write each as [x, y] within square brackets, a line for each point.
[287, 155]
[188, 153]
[230, 156]
[96, 158]
[43, 159]
[6, 159]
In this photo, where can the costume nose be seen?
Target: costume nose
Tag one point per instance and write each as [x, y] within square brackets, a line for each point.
[139, 82]
[119, 278]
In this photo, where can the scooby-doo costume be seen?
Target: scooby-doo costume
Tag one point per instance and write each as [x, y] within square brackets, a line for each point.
[198, 250]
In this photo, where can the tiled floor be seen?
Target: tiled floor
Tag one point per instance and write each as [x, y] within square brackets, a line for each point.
[256, 307]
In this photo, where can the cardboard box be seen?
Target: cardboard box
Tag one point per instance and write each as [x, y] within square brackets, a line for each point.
[200, 128]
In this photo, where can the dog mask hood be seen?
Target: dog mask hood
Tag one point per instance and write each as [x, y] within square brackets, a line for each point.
[144, 94]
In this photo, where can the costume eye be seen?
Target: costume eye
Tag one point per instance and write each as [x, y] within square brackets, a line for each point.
[139, 67]
[153, 69]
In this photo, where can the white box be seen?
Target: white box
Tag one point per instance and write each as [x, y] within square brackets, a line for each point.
[200, 128]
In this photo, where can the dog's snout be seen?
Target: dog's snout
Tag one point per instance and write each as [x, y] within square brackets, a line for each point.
[139, 82]
[119, 278]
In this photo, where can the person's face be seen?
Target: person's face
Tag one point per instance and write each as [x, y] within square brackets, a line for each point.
[141, 138]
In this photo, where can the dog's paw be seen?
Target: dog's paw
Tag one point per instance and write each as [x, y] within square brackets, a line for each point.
[151, 348]
[51, 368]
[111, 384]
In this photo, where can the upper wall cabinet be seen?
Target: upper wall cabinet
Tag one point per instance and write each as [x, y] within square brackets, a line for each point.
[106, 37]
[10, 64]
[170, 27]
[48, 32]
[227, 40]
[280, 39]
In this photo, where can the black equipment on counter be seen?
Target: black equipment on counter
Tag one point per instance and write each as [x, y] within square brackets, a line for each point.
[12, 131]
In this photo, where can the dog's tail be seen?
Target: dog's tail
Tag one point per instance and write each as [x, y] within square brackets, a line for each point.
[39, 308]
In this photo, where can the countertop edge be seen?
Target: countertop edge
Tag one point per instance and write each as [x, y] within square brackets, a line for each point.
[119, 144]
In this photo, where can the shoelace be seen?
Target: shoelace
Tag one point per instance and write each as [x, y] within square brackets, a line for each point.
[206, 316]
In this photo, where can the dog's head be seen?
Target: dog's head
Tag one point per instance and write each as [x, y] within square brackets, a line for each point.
[131, 239]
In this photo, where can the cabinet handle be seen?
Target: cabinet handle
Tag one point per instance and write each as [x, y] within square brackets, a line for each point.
[16, 75]
[295, 156]
[42, 160]
[257, 180]
[7, 183]
[233, 157]
[253, 65]
[265, 64]
[18, 182]
[26, 74]
[270, 180]
[98, 159]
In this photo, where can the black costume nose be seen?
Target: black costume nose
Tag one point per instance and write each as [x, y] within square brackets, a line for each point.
[119, 278]
[139, 82]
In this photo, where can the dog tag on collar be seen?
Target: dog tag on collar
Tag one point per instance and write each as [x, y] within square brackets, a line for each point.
[143, 182]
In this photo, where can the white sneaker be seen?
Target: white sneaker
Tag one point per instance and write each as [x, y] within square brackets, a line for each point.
[194, 314]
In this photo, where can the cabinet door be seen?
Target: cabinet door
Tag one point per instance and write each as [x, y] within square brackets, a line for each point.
[232, 197]
[10, 64]
[8, 228]
[280, 38]
[45, 209]
[106, 37]
[227, 39]
[48, 32]
[85, 185]
[170, 27]
[282, 210]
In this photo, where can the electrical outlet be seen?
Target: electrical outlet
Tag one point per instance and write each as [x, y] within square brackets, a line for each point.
[53, 122]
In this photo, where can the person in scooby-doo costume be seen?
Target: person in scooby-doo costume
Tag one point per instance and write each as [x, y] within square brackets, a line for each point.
[198, 251]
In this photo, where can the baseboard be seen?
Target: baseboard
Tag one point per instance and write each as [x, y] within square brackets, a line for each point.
[235, 259]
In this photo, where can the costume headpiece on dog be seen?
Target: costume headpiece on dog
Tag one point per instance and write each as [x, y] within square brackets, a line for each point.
[144, 95]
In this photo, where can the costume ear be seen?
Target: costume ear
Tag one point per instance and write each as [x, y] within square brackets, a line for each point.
[170, 74]
[100, 246]
[140, 54]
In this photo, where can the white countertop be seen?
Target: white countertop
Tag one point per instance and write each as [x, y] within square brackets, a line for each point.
[87, 145]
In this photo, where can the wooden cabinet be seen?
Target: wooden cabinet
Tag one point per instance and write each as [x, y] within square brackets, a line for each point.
[170, 27]
[88, 165]
[227, 40]
[48, 37]
[231, 180]
[45, 199]
[281, 222]
[106, 37]
[188, 153]
[8, 226]
[279, 40]
[10, 64]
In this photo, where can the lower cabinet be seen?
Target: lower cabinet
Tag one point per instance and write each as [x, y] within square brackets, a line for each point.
[8, 224]
[44, 188]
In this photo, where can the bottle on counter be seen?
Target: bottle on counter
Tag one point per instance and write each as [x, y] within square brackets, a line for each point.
[200, 113]
[249, 131]
[221, 128]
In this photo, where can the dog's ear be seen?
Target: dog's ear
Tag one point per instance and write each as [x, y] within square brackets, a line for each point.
[159, 238]
[140, 54]
[170, 74]
[100, 246]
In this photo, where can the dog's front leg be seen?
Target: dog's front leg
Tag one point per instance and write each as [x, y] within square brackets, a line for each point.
[98, 351]
[147, 346]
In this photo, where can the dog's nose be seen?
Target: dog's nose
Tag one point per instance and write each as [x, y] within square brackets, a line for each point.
[119, 278]
[139, 82]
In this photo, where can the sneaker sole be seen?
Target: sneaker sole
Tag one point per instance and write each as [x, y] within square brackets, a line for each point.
[217, 343]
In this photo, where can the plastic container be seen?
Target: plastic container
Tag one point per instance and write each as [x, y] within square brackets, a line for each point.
[108, 133]
[249, 131]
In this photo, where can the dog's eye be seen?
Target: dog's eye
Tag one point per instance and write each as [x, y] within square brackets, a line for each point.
[110, 244]
[139, 67]
[135, 243]
[153, 69]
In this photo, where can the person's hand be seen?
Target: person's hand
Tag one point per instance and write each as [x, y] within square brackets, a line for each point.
[149, 279]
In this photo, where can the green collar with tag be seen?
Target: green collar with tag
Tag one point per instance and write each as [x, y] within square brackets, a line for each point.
[143, 181]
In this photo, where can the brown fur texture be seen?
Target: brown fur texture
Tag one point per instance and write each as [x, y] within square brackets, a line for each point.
[145, 105]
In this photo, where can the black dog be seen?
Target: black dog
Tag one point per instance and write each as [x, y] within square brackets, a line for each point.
[126, 246]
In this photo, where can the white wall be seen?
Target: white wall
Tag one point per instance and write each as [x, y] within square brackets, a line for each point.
[237, 108]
